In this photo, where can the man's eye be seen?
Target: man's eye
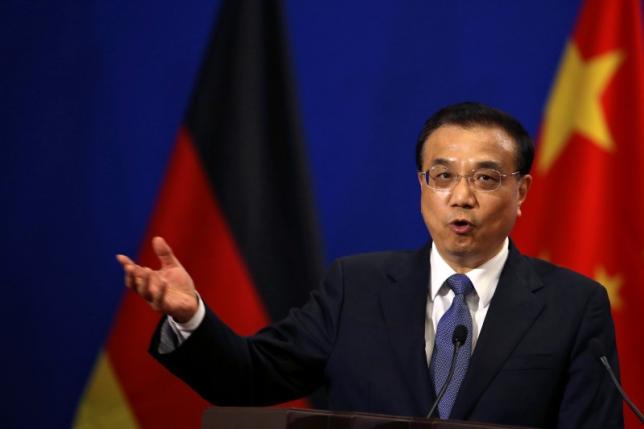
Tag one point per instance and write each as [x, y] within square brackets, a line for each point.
[482, 177]
[445, 175]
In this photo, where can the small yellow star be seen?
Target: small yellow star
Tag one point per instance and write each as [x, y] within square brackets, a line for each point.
[612, 284]
[575, 103]
[545, 255]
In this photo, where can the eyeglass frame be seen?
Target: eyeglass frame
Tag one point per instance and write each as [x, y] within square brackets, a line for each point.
[468, 177]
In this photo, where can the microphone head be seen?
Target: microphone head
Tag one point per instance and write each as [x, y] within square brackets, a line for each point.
[596, 348]
[460, 335]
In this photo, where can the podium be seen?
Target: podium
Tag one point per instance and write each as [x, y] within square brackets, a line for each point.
[297, 418]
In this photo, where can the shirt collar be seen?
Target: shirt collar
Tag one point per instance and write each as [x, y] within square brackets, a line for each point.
[484, 277]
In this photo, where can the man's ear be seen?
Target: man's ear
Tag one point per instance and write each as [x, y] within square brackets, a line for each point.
[524, 187]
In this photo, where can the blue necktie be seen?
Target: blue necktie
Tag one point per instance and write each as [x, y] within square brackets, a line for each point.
[457, 314]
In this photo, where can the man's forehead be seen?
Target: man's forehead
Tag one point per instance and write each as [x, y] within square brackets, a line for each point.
[454, 132]
[471, 147]
[451, 142]
[473, 163]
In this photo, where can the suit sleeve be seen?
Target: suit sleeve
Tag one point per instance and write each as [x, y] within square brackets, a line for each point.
[283, 361]
[590, 400]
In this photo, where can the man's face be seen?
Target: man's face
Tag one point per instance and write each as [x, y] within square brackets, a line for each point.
[468, 225]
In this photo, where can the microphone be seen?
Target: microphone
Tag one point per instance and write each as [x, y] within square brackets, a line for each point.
[458, 339]
[598, 352]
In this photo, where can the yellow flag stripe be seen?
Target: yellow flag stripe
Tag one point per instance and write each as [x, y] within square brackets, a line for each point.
[103, 404]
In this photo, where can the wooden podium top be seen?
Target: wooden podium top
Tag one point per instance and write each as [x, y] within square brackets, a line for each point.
[298, 418]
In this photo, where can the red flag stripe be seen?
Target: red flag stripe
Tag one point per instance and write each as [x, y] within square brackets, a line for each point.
[188, 216]
[585, 212]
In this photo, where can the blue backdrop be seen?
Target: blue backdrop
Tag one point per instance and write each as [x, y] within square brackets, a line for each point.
[92, 96]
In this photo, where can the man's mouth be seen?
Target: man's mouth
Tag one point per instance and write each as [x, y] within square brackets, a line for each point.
[461, 226]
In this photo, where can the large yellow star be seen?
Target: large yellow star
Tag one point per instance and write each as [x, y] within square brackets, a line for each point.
[575, 103]
[612, 285]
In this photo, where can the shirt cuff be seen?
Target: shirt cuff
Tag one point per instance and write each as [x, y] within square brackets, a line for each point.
[184, 330]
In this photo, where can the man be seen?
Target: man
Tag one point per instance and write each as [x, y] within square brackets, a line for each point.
[378, 334]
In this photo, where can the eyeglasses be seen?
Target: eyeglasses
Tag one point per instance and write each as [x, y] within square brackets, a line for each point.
[442, 178]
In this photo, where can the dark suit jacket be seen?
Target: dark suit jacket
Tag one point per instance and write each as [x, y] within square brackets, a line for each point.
[362, 336]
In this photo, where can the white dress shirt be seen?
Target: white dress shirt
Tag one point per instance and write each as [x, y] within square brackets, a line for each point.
[484, 278]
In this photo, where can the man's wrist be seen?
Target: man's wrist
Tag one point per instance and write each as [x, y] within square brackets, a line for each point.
[190, 323]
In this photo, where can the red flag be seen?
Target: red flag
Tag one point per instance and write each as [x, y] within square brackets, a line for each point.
[585, 210]
[236, 208]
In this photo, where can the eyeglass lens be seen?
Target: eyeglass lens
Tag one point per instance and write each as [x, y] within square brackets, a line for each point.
[485, 179]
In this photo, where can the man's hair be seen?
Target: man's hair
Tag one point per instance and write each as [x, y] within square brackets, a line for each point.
[469, 114]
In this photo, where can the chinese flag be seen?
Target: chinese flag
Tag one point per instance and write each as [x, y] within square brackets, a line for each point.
[585, 210]
[235, 206]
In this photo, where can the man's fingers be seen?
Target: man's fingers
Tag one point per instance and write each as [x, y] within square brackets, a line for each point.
[142, 282]
[129, 268]
[164, 253]
[136, 277]
[124, 260]
[154, 284]
[155, 290]
[160, 288]
[128, 280]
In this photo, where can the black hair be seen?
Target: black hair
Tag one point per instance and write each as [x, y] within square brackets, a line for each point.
[470, 114]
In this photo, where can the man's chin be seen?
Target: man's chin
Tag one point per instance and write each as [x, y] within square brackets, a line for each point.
[462, 245]
[463, 250]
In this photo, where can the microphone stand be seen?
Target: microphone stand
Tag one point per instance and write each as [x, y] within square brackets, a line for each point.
[449, 378]
[630, 403]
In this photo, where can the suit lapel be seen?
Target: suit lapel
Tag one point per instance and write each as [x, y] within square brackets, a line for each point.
[403, 300]
[512, 311]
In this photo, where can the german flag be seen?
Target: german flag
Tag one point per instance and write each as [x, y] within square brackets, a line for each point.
[235, 205]
[586, 207]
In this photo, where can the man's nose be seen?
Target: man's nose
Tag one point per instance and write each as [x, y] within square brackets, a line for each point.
[462, 193]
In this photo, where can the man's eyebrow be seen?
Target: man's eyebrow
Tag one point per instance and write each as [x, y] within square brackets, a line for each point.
[488, 164]
[442, 161]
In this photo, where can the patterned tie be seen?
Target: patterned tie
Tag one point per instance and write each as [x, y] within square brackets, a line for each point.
[457, 314]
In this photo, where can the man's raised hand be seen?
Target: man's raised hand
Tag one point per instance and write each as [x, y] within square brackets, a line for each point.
[169, 289]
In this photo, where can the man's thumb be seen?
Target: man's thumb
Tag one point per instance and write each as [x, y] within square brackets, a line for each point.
[164, 252]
